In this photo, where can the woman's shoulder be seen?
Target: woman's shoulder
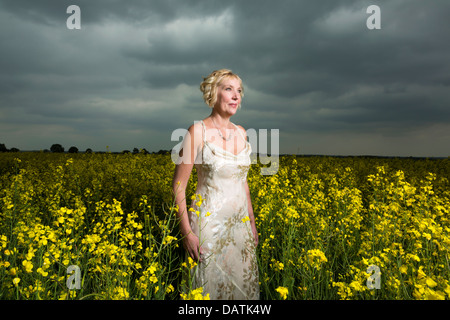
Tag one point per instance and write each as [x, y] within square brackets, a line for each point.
[242, 130]
[195, 131]
[196, 127]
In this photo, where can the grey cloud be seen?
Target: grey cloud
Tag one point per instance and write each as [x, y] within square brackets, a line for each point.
[312, 69]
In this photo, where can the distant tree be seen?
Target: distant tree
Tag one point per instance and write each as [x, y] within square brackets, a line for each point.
[88, 150]
[144, 151]
[57, 148]
[135, 151]
[3, 148]
[125, 151]
[14, 150]
[73, 150]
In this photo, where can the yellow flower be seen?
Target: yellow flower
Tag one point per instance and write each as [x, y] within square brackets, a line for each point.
[42, 272]
[192, 263]
[152, 268]
[420, 273]
[120, 293]
[403, 269]
[195, 211]
[447, 290]
[153, 278]
[276, 265]
[16, 281]
[245, 219]
[30, 253]
[434, 295]
[64, 295]
[316, 257]
[196, 294]
[168, 239]
[356, 285]
[28, 265]
[431, 283]
[283, 291]
[170, 289]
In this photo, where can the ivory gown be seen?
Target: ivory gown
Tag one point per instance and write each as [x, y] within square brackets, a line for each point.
[229, 270]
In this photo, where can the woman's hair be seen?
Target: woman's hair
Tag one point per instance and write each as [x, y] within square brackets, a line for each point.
[211, 82]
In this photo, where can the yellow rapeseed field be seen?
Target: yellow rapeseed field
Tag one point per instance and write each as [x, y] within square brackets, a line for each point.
[102, 226]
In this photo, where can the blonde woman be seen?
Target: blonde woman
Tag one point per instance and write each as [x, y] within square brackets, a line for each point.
[219, 229]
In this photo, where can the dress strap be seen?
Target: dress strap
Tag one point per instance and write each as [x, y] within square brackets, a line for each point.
[239, 132]
[204, 131]
[204, 137]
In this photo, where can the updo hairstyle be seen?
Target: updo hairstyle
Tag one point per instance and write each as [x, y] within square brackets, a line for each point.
[211, 82]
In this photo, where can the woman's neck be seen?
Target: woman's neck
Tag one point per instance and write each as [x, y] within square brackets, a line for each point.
[219, 120]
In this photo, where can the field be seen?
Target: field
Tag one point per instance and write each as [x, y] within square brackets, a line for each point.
[102, 226]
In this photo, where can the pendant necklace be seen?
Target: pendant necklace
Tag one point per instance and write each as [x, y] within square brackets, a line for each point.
[220, 133]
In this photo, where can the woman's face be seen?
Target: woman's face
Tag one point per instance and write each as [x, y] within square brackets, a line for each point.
[228, 96]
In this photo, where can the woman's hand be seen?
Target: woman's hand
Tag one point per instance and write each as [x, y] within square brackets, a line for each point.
[192, 245]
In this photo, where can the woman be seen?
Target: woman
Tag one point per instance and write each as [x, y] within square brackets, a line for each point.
[219, 229]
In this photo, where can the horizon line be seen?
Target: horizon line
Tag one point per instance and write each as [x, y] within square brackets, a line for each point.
[164, 151]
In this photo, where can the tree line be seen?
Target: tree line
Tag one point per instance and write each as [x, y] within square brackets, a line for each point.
[58, 148]
[4, 149]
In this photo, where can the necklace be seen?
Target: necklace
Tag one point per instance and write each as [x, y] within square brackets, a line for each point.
[220, 133]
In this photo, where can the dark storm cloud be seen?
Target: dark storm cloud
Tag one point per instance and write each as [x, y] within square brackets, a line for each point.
[310, 68]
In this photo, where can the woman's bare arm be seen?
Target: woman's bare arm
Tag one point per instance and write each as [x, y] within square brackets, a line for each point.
[183, 169]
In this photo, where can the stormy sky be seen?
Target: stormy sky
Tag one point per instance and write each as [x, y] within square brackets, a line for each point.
[312, 69]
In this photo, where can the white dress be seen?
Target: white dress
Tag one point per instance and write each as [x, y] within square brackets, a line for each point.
[229, 269]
